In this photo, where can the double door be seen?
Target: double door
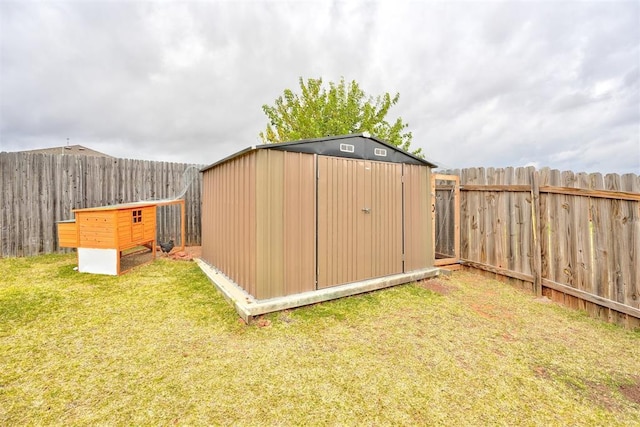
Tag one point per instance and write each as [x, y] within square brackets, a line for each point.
[360, 220]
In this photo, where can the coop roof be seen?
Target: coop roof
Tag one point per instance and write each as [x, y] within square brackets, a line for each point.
[355, 146]
[131, 205]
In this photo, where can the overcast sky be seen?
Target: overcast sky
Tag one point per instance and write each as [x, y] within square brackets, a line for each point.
[481, 83]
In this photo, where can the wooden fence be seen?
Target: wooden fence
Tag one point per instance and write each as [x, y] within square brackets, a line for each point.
[573, 237]
[37, 190]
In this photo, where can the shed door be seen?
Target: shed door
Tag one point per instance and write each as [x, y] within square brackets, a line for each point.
[359, 220]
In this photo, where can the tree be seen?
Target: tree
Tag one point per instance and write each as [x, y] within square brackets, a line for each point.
[341, 110]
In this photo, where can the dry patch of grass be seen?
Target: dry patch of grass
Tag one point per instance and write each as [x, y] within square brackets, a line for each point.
[159, 345]
[632, 390]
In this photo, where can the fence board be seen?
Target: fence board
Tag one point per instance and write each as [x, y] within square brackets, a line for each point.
[37, 190]
[523, 177]
[490, 227]
[631, 183]
[580, 218]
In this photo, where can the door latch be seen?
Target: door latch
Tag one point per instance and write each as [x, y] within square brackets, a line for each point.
[366, 210]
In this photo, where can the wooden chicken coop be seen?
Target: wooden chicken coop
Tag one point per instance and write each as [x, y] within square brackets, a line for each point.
[106, 235]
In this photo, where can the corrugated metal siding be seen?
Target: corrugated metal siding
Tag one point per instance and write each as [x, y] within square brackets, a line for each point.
[386, 217]
[300, 221]
[418, 244]
[270, 224]
[354, 244]
[285, 212]
[229, 219]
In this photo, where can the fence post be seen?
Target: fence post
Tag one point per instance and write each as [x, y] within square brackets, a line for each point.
[535, 230]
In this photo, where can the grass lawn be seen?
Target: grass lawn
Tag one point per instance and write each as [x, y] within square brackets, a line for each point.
[160, 346]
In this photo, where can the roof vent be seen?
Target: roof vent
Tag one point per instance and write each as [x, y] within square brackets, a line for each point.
[347, 148]
[381, 152]
[366, 134]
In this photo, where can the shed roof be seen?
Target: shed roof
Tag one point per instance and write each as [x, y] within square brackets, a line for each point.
[355, 146]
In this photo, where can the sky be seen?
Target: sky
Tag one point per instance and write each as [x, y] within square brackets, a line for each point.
[491, 84]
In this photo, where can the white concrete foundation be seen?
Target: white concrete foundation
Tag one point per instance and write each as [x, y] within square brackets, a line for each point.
[249, 307]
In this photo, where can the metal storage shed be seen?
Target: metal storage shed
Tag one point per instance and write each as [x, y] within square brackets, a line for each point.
[294, 223]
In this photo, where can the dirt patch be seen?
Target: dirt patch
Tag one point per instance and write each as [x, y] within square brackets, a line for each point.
[632, 391]
[262, 322]
[438, 286]
[602, 395]
[188, 254]
[541, 371]
[491, 311]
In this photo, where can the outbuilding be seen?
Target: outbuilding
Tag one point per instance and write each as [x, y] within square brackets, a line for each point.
[295, 223]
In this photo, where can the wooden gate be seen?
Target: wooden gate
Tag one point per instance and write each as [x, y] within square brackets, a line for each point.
[445, 206]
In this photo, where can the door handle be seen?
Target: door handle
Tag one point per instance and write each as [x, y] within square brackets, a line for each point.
[366, 210]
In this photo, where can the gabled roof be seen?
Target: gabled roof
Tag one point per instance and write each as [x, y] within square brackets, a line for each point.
[78, 150]
[355, 146]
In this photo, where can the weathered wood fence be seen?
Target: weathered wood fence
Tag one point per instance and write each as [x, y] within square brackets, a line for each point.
[37, 190]
[573, 237]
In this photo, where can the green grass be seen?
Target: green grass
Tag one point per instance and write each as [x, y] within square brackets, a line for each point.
[160, 346]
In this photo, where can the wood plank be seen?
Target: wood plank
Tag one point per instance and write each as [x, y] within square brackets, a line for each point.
[523, 176]
[4, 191]
[445, 261]
[484, 227]
[465, 222]
[581, 236]
[535, 227]
[554, 231]
[495, 218]
[567, 248]
[456, 218]
[512, 246]
[604, 194]
[604, 242]
[631, 182]
[620, 244]
[496, 187]
[16, 227]
[545, 226]
[496, 270]
[434, 212]
[556, 189]
[605, 302]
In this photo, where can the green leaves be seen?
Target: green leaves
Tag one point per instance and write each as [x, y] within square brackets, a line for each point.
[342, 109]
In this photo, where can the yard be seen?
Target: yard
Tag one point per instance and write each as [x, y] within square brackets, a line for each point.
[160, 346]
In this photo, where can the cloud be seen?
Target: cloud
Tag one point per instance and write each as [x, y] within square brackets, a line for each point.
[481, 83]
